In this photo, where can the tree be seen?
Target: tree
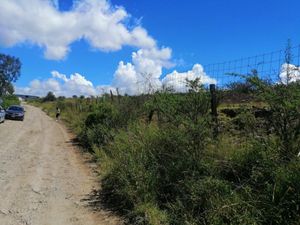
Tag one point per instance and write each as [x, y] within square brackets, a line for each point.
[10, 70]
[10, 89]
[50, 97]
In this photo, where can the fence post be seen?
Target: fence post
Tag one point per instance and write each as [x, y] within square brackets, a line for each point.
[118, 94]
[111, 96]
[214, 112]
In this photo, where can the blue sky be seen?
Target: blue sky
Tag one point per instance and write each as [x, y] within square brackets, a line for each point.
[196, 32]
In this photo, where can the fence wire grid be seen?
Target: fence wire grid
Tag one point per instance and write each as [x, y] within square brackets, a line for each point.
[270, 66]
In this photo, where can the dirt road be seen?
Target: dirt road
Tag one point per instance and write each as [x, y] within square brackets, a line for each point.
[43, 178]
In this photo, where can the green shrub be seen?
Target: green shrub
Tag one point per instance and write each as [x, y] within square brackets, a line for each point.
[241, 87]
[100, 125]
[9, 100]
[152, 166]
[284, 103]
[50, 97]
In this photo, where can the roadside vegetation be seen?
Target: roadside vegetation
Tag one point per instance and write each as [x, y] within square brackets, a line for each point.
[162, 163]
[10, 70]
[9, 100]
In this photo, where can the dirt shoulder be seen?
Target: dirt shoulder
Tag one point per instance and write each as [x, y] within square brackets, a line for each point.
[43, 178]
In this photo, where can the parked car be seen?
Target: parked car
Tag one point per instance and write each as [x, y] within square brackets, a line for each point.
[15, 112]
[2, 115]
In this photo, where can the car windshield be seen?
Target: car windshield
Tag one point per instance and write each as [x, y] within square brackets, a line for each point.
[16, 108]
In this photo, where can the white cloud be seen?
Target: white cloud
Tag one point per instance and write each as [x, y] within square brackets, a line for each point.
[143, 74]
[105, 28]
[129, 78]
[59, 75]
[289, 70]
[177, 81]
[39, 22]
[60, 85]
[40, 88]
[126, 78]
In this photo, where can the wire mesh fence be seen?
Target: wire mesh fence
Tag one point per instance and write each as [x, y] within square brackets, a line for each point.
[271, 66]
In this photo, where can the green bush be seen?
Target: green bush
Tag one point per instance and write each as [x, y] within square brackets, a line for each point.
[284, 103]
[9, 100]
[100, 125]
[152, 165]
[286, 195]
[50, 97]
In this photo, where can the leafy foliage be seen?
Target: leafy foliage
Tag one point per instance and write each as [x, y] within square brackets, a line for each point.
[99, 125]
[284, 103]
[50, 97]
[9, 100]
[10, 70]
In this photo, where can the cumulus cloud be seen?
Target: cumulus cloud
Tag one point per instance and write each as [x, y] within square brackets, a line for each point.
[39, 22]
[60, 85]
[289, 73]
[142, 76]
[126, 78]
[177, 81]
[39, 87]
[105, 28]
[144, 73]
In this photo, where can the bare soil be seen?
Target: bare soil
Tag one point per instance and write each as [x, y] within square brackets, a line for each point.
[44, 180]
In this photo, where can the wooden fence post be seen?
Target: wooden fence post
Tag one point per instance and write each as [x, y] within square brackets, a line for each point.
[119, 97]
[111, 96]
[214, 112]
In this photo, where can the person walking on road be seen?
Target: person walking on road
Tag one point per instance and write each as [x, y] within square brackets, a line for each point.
[57, 113]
